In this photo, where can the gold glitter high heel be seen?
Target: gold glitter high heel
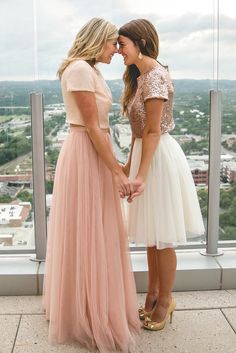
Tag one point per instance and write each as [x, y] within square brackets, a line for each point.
[157, 326]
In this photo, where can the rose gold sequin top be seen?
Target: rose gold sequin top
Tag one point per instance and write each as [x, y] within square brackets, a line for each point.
[155, 83]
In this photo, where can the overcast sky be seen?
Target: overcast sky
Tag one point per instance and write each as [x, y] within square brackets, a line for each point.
[35, 35]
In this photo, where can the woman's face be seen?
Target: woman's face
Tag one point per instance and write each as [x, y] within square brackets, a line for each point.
[109, 50]
[128, 50]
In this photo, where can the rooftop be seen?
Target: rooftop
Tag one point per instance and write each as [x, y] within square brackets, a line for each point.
[204, 322]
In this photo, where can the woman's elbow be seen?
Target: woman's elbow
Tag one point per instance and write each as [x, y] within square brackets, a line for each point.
[154, 134]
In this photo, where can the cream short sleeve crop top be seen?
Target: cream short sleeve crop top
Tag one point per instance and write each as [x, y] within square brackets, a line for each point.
[80, 76]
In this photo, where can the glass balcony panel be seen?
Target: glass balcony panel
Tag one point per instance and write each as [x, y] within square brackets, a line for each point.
[16, 81]
[227, 83]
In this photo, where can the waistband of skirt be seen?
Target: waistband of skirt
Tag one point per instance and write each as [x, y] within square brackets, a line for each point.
[162, 135]
[81, 128]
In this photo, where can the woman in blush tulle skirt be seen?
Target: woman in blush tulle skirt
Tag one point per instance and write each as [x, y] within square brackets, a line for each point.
[89, 290]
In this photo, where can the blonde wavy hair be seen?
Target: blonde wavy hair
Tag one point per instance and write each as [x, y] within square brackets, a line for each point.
[89, 42]
[137, 31]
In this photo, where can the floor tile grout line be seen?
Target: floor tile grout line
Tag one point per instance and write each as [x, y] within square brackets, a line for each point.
[228, 291]
[201, 308]
[179, 310]
[228, 321]
[17, 330]
[3, 314]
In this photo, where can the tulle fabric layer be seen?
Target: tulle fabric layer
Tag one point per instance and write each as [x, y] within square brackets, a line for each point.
[89, 290]
[168, 211]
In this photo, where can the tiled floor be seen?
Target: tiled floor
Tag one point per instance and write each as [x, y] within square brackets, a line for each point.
[204, 322]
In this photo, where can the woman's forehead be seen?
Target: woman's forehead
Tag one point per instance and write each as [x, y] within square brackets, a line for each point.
[123, 39]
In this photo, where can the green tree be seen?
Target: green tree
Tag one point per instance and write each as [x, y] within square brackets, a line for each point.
[49, 186]
[227, 219]
[5, 199]
[25, 196]
[52, 155]
[225, 199]
[229, 233]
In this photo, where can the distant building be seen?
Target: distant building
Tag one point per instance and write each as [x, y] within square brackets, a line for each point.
[205, 158]
[6, 239]
[230, 139]
[199, 171]
[228, 172]
[200, 176]
[187, 138]
[10, 189]
[14, 214]
[18, 124]
[53, 110]
[24, 178]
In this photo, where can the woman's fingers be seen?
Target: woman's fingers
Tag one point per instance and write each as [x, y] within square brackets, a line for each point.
[137, 187]
[129, 189]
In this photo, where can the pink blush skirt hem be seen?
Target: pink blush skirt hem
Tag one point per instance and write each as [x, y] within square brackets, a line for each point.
[89, 290]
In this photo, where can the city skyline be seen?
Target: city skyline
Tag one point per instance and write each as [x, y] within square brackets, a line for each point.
[35, 38]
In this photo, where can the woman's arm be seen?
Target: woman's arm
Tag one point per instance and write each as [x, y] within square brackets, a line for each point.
[87, 105]
[151, 137]
[126, 167]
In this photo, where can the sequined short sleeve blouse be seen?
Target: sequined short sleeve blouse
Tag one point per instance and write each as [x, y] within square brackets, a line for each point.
[155, 83]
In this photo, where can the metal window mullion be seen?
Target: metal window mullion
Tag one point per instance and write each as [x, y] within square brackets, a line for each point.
[214, 173]
[40, 222]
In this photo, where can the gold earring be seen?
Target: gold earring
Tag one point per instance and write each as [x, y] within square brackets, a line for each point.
[140, 55]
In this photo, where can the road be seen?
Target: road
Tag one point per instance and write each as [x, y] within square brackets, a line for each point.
[12, 164]
[225, 151]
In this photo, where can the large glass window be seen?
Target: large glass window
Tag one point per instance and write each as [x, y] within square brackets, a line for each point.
[35, 37]
[16, 68]
[186, 46]
[227, 84]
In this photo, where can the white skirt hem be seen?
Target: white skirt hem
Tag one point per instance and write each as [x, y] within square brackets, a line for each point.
[168, 211]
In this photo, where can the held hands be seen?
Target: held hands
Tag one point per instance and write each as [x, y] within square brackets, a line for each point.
[127, 188]
[138, 186]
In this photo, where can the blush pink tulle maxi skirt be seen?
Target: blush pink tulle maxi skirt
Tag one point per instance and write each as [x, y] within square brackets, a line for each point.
[89, 290]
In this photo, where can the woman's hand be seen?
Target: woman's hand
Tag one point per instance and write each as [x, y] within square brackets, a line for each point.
[138, 187]
[125, 187]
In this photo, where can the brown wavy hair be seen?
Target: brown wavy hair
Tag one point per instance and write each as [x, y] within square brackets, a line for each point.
[137, 30]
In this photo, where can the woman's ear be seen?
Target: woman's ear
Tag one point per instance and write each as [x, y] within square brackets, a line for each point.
[143, 41]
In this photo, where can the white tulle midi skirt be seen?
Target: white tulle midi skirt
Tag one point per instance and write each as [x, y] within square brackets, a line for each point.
[168, 211]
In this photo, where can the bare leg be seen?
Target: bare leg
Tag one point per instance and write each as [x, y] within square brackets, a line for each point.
[166, 261]
[153, 278]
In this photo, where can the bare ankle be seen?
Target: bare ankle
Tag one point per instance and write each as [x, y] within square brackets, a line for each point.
[153, 292]
[164, 300]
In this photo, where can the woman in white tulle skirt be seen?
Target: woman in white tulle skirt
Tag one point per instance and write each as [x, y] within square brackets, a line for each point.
[164, 209]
